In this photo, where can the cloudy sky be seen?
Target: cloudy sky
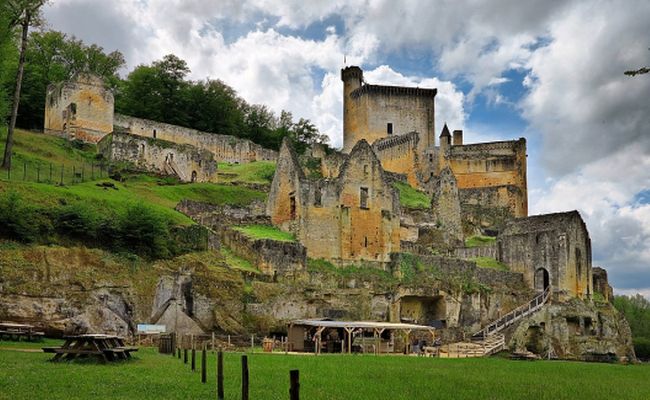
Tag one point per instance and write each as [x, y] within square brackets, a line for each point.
[550, 71]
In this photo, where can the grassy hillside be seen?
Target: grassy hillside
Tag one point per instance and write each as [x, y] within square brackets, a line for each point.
[258, 172]
[101, 198]
[409, 197]
[329, 377]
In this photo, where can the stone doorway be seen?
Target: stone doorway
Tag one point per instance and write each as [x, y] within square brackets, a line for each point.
[542, 279]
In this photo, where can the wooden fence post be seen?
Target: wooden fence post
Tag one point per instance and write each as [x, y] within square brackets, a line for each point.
[244, 377]
[294, 388]
[193, 359]
[203, 366]
[220, 375]
[179, 352]
[184, 356]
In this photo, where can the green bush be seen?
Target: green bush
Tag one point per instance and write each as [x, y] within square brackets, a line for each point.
[22, 222]
[78, 221]
[642, 348]
[144, 232]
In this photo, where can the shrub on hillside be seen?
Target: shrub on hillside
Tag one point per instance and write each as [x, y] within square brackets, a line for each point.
[22, 222]
[143, 231]
[78, 221]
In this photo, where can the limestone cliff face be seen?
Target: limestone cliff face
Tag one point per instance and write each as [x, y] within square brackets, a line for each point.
[576, 330]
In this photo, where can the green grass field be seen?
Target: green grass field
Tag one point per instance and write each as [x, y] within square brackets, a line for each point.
[153, 376]
[489, 262]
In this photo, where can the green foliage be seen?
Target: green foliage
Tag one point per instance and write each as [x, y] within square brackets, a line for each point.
[479, 240]
[21, 221]
[642, 348]
[53, 57]
[143, 231]
[346, 273]
[328, 377]
[489, 262]
[637, 312]
[409, 197]
[265, 232]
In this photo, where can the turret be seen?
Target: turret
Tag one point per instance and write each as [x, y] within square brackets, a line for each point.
[352, 78]
[458, 137]
[445, 144]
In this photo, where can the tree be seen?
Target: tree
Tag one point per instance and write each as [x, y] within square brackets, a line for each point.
[23, 13]
[53, 57]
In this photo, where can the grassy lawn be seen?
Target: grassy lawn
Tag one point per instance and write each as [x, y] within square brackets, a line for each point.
[489, 262]
[478, 241]
[410, 197]
[260, 172]
[265, 232]
[154, 376]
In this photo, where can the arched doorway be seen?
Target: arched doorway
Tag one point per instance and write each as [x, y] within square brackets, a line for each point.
[542, 279]
[193, 176]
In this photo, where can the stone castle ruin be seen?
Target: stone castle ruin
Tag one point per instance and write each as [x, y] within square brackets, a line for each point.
[345, 207]
[83, 109]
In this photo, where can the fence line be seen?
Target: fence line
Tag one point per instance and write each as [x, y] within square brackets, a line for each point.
[55, 173]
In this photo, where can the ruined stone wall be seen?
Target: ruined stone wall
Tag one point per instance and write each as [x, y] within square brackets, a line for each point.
[446, 208]
[353, 217]
[499, 166]
[272, 257]
[553, 244]
[185, 161]
[399, 154]
[79, 109]
[224, 147]
[467, 253]
[601, 284]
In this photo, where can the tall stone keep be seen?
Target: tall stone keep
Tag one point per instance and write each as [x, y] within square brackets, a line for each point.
[79, 109]
[373, 112]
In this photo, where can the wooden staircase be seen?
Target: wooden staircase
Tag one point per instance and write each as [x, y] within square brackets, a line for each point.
[488, 340]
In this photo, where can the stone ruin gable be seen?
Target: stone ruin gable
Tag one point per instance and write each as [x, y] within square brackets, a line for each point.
[225, 148]
[496, 168]
[369, 206]
[79, 109]
[369, 109]
[286, 201]
[185, 161]
[550, 248]
[399, 154]
[601, 284]
[446, 208]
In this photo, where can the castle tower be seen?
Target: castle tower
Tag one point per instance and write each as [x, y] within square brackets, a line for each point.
[352, 78]
[445, 144]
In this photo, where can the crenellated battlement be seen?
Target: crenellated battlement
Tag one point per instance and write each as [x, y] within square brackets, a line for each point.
[393, 91]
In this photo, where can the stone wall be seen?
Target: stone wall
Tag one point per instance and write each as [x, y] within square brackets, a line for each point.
[224, 147]
[446, 208]
[272, 257]
[496, 171]
[601, 284]
[79, 109]
[399, 154]
[467, 253]
[185, 161]
[550, 249]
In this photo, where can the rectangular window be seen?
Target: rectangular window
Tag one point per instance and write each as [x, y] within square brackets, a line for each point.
[318, 197]
[389, 128]
[292, 206]
[363, 197]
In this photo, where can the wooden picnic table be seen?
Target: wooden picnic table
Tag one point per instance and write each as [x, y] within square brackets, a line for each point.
[15, 331]
[103, 347]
